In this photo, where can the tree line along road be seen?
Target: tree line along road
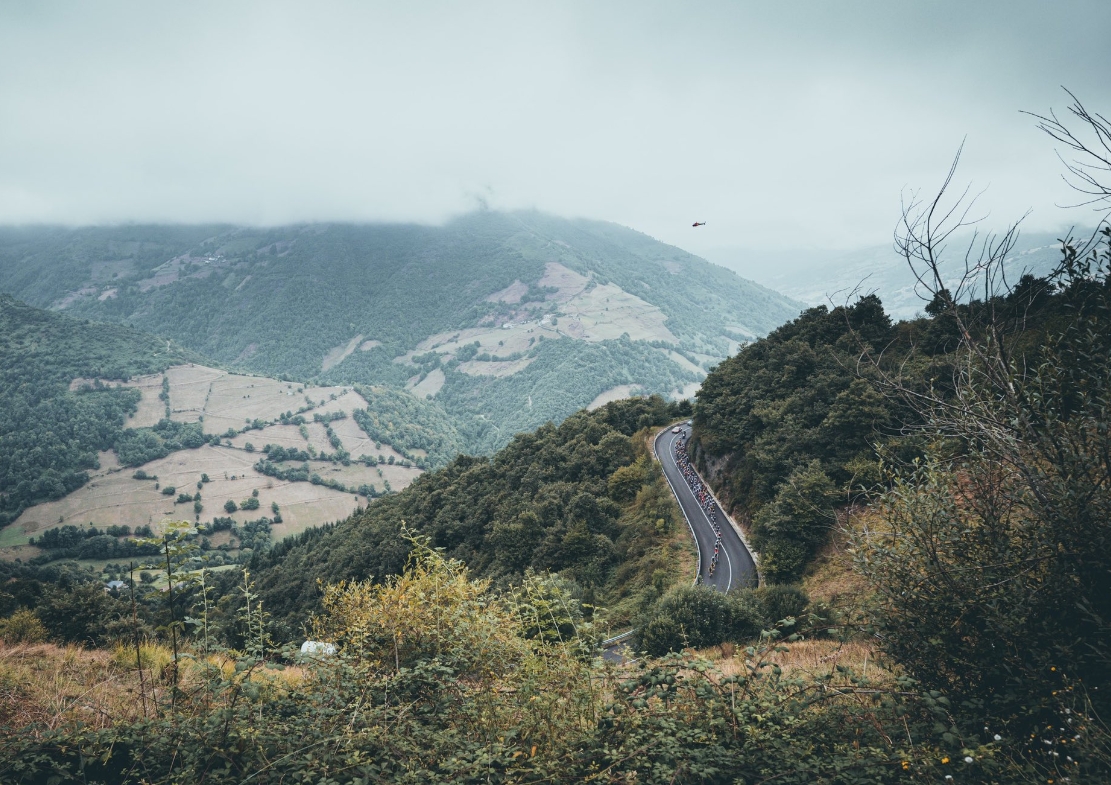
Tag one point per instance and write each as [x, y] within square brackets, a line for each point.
[735, 566]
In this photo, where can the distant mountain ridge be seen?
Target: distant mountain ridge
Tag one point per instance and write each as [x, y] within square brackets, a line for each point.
[480, 316]
[819, 277]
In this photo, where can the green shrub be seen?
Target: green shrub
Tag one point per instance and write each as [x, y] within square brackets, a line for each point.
[790, 529]
[23, 626]
[750, 616]
[697, 617]
[781, 601]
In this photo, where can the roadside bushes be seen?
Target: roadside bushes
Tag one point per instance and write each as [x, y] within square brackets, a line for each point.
[698, 616]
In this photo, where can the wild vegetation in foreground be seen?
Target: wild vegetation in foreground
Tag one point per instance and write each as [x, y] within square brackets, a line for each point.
[439, 678]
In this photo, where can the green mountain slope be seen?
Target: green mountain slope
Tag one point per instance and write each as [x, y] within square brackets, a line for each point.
[794, 425]
[587, 307]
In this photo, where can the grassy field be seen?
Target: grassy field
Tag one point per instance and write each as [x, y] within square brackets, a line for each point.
[357, 474]
[429, 385]
[225, 400]
[286, 436]
[358, 444]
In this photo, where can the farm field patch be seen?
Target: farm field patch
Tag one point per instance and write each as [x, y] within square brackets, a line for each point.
[118, 499]
[492, 368]
[358, 474]
[429, 385]
[356, 442]
[222, 400]
[190, 386]
[234, 400]
[151, 407]
[114, 497]
[285, 436]
[338, 354]
[614, 394]
[606, 312]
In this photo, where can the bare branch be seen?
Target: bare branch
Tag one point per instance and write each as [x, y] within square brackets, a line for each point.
[1089, 170]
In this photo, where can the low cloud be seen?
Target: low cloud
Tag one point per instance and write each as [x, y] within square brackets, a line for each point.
[784, 127]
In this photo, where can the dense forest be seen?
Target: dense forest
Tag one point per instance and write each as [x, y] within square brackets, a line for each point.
[49, 434]
[407, 423]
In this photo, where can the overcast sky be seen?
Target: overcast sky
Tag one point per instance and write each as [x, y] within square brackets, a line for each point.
[782, 125]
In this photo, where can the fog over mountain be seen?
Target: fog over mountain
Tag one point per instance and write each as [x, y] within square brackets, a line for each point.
[786, 126]
[836, 277]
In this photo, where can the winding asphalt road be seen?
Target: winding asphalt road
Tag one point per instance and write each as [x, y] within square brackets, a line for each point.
[736, 567]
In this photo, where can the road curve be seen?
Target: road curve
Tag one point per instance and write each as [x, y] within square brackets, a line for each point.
[735, 567]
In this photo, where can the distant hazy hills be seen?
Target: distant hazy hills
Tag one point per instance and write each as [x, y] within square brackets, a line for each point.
[502, 321]
[818, 277]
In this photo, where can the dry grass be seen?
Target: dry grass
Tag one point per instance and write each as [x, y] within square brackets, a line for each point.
[831, 580]
[51, 686]
[151, 407]
[808, 658]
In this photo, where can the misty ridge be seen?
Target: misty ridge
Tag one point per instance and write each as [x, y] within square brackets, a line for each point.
[570, 393]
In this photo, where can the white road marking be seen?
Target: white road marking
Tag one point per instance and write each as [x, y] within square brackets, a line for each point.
[728, 560]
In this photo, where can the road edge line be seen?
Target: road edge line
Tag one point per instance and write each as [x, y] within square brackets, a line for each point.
[736, 527]
[675, 495]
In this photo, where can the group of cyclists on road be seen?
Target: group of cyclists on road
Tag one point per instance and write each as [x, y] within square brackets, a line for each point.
[702, 493]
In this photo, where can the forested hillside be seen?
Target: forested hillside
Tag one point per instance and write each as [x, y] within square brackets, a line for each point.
[49, 433]
[796, 424]
[598, 308]
[582, 499]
